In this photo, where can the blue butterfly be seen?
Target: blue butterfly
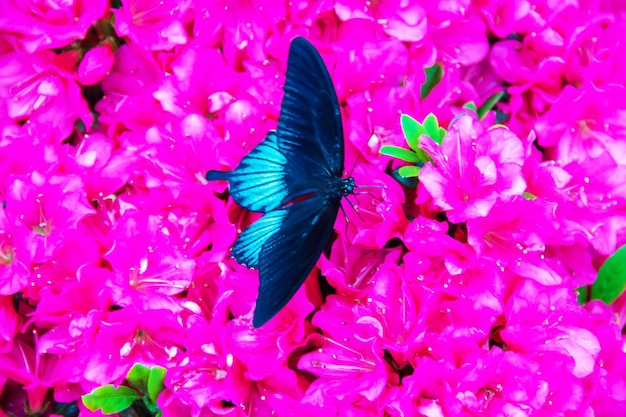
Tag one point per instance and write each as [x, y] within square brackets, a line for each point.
[295, 177]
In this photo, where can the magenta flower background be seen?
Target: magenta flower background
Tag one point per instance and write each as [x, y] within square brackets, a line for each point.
[457, 298]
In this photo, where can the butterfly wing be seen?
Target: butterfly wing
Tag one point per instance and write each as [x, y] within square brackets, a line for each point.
[249, 243]
[288, 256]
[258, 183]
[310, 132]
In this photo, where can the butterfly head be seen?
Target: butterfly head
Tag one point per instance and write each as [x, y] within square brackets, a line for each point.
[347, 186]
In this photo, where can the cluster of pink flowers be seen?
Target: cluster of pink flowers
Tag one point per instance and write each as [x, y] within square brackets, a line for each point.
[456, 298]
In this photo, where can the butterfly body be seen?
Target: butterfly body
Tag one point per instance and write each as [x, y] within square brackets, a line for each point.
[294, 177]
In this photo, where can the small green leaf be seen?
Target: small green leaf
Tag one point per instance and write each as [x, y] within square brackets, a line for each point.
[138, 377]
[489, 104]
[399, 153]
[583, 295]
[611, 280]
[471, 106]
[407, 182]
[110, 400]
[409, 171]
[412, 130]
[156, 382]
[433, 77]
[433, 131]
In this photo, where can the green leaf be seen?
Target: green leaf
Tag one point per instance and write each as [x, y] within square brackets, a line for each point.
[611, 280]
[489, 104]
[399, 153]
[433, 77]
[156, 382]
[110, 400]
[407, 182]
[138, 377]
[583, 295]
[412, 130]
[471, 106]
[433, 131]
[409, 171]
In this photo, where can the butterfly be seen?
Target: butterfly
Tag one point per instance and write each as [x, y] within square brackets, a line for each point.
[294, 177]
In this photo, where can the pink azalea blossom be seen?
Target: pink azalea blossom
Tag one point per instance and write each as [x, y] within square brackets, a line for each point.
[585, 122]
[240, 27]
[14, 260]
[49, 25]
[147, 262]
[45, 211]
[156, 25]
[128, 102]
[129, 336]
[473, 168]
[403, 20]
[9, 323]
[39, 87]
[96, 63]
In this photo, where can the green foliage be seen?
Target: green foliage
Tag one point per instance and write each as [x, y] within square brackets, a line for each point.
[109, 399]
[611, 281]
[145, 384]
[434, 75]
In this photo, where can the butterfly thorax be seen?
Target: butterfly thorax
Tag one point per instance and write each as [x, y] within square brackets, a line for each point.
[339, 188]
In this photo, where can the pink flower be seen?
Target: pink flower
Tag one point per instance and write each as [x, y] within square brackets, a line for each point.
[514, 236]
[104, 169]
[46, 211]
[373, 121]
[14, 260]
[49, 25]
[153, 24]
[553, 323]
[403, 20]
[347, 360]
[207, 375]
[374, 220]
[34, 88]
[594, 197]
[73, 314]
[240, 28]
[129, 336]
[364, 61]
[585, 122]
[351, 268]
[9, 323]
[473, 168]
[128, 102]
[459, 41]
[96, 63]
[148, 262]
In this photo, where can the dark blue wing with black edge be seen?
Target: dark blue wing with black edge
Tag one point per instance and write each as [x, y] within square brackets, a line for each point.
[258, 182]
[289, 255]
[310, 132]
[249, 243]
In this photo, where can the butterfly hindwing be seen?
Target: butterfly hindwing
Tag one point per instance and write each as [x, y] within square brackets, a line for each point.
[288, 256]
[249, 243]
[258, 183]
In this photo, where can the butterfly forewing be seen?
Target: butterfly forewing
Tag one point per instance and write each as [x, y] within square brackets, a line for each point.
[310, 119]
[258, 183]
[249, 243]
